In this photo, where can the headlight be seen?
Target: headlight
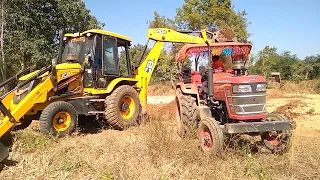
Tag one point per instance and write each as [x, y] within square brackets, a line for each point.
[261, 87]
[242, 88]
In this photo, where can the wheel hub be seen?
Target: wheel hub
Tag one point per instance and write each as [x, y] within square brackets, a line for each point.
[125, 107]
[272, 138]
[207, 139]
[60, 120]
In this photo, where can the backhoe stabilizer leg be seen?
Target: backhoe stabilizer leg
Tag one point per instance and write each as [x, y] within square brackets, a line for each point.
[4, 152]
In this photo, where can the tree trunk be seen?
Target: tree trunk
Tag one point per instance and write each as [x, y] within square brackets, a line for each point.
[196, 63]
[3, 67]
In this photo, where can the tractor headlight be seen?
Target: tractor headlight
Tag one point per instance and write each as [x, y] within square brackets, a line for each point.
[242, 88]
[261, 87]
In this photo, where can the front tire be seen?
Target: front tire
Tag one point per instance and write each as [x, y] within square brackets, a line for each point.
[122, 108]
[210, 136]
[59, 119]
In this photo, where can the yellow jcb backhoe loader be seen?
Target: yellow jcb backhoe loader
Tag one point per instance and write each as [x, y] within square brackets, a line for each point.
[87, 79]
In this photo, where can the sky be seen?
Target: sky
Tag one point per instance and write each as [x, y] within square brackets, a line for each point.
[291, 25]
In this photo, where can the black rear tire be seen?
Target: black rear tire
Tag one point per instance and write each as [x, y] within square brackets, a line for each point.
[122, 107]
[188, 116]
[52, 116]
[210, 136]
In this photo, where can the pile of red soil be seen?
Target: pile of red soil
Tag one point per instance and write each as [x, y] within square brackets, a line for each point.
[287, 109]
[162, 110]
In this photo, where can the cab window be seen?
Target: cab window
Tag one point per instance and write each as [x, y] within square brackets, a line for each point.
[98, 54]
[110, 56]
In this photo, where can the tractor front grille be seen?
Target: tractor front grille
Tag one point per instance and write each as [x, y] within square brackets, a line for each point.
[247, 103]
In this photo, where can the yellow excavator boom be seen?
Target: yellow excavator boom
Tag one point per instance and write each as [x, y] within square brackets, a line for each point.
[161, 35]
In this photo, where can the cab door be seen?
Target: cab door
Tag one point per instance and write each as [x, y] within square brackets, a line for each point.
[110, 64]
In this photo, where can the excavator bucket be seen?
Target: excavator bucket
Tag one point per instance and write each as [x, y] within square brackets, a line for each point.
[4, 152]
[224, 35]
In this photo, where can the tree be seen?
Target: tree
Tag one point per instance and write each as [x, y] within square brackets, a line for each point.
[32, 28]
[266, 61]
[313, 66]
[161, 22]
[2, 66]
[290, 66]
[212, 14]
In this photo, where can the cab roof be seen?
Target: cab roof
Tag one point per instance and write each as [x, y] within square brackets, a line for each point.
[99, 31]
[232, 48]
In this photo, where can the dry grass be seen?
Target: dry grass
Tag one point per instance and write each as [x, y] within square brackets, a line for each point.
[154, 151]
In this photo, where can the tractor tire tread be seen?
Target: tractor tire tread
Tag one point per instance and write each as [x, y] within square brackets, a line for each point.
[188, 110]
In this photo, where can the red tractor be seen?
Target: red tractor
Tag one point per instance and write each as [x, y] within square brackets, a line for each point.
[219, 99]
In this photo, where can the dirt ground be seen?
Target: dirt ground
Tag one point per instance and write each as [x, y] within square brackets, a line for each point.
[153, 150]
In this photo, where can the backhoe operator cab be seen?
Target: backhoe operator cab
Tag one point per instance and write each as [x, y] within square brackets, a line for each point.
[220, 99]
[99, 51]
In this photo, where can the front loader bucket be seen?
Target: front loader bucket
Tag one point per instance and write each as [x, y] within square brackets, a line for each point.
[4, 152]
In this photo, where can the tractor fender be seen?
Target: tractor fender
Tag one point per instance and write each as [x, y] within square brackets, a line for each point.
[120, 81]
[189, 89]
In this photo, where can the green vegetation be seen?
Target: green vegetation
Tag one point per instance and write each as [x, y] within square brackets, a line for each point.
[291, 67]
[31, 30]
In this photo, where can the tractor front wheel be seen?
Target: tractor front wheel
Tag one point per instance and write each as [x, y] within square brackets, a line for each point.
[59, 119]
[122, 107]
[210, 136]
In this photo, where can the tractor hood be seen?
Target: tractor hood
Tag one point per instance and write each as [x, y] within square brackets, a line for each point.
[223, 78]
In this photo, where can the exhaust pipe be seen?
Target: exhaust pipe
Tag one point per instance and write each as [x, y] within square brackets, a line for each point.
[210, 83]
[210, 74]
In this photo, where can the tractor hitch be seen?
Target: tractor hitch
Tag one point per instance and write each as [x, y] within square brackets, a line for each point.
[264, 126]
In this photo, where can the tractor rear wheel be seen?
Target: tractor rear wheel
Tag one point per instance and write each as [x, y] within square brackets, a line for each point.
[188, 114]
[59, 119]
[277, 141]
[210, 136]
[122, 107]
